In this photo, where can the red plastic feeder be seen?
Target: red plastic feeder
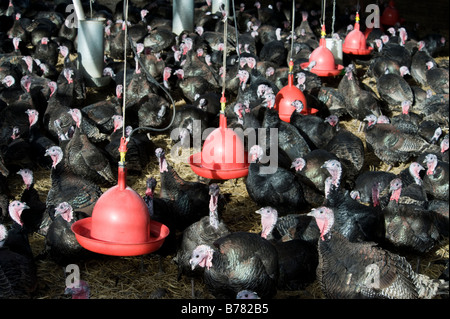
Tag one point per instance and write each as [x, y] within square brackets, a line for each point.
[120, 224]
[390, 15]
[289, 94]
[324, 59]
[223, 155]
[355, 41]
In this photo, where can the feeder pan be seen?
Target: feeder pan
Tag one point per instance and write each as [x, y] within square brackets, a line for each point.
[120, 224]
[324, 58]
[223, 156]
[355, 41]
[289, 94]
[390, 15]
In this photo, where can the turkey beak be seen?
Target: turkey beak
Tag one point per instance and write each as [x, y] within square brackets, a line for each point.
[192, 263]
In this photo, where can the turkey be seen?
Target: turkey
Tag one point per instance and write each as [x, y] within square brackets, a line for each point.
[18, 271]
[82, 291]
[355, 221]
[349, 270]
[297, 258]
[46, 50]
[437, 78]
[69, 187]
[86, 159]
[409, 228]
[58, 108]
[391, 145]
[436, 180]
[349, 149]
[407, 122]
[33, 215]
[102, 113]
[139, 146]
[316, 131]
[39, 140]
[291, 143]
[310, 168]
[202, 232]
[246, 294]
[359, 101]
[394, 89]
[61, 244]
[238, 261]
[418, 64]
[333, 100]
[362, 190]
[269, 185]
[161, 210]
[19, 242]
[190, 198]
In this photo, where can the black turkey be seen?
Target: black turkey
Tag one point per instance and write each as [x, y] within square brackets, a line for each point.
[86, 159]
[394, 89]
[82, 291]
[69, 187]
[437, 78]
[18, 271]
[349, 270]
[270, 185]
[407, 122]
[33, 215]
[61, 245]
[355, 221]
[297, 258]
[409, 228]
[436, 180]
[418, 64]
[291, 143]
[362, 190]
[203, 232]
[190, 198]
[311, 170]
[391, 145]
[349, 149]
[161, 210]
[236, 262]
[358, 100]
[316, 131]
[58, 108]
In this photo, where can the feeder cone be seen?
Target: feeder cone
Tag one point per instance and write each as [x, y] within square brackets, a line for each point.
[390, 15]
[120, 224]
[324, 60]
[355, 41]
[223, 155]
[289, 94]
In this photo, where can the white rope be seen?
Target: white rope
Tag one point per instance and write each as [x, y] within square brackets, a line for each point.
[125, 67]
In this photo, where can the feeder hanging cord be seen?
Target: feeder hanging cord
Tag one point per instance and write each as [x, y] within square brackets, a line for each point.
[149, 78]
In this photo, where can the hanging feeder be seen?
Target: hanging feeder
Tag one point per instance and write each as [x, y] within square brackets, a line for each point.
[355, 41]
[323, 59]
[390, 16]
[223, 155]
[120, 224]
[289, 94]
